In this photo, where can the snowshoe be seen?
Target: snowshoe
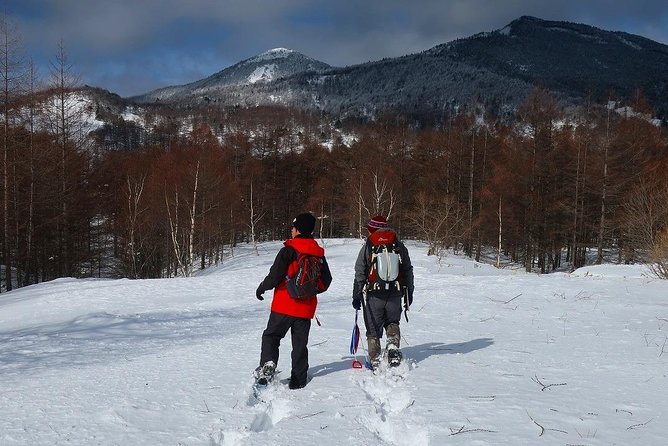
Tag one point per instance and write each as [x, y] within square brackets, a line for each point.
[394, 357]
[265, 373]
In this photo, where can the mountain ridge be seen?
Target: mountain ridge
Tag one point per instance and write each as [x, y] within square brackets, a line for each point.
[497, 68]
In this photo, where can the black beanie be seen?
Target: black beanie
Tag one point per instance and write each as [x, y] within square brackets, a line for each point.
[304, 223]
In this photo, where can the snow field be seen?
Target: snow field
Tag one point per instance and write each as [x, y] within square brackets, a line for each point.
[493, 357]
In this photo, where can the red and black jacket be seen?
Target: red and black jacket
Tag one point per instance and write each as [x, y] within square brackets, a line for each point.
[284, 265]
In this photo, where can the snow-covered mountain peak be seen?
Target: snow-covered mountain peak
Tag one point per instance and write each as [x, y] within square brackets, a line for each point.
[277, 52]
[271, 55]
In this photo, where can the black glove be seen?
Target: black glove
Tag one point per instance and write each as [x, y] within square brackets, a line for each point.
[258, 293]
[357, 304]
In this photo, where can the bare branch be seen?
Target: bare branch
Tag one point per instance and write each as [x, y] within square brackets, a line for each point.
[543, 429]
[545, 386]
[463, 430]
[301, 417]
[636, 426]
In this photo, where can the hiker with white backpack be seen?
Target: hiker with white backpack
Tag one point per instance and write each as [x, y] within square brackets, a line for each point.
[383, 276]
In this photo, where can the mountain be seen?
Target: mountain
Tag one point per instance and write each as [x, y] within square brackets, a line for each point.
[265, 68]
[571, 59]
[498, 69]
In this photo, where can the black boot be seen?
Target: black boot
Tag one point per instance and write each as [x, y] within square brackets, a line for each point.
[265, 373]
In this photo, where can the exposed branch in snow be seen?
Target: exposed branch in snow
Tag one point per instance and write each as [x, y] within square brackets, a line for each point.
[483, 398]
[508, 301]
[582, 296]
[301, 417]
[626, 411]
[463, 430]
[662, 319]
[543, 429]
[663, 347]
[545, 386]
[636, 426]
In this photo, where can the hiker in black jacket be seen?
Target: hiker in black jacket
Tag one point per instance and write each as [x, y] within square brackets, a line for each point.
[288, 313]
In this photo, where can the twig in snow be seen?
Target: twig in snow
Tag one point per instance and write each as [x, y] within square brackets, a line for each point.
[463, 430]
[662, 319]
[486, 398]
[545, 386]
[320, 343]
[646, 340]
[636, 426]
[301, 417]
[543, 429]
[508, 301]
[207, 407]
[622, 410]
[663, 346]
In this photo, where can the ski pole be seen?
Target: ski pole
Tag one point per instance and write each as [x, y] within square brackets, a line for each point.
[406, 306]
[354, 342]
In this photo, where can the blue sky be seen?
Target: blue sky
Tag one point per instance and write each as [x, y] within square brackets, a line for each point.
[133, 46]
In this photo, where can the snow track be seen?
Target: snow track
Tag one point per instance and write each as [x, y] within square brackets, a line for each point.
[391, 394]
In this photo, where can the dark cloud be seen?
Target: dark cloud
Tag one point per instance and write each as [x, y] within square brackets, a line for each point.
[130, 46]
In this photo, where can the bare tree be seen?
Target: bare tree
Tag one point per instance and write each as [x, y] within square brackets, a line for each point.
[604, 189]
[254, 218]
[438, 220]
[65, 122]
[182, 236]
[500, 232]
[374, 198]
[10, 72]
[645, 214]
[134, 193]
[659, 256]
[30, 224]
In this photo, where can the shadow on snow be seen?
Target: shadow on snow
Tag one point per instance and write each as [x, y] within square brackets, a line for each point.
[104, 337]
[415, 353]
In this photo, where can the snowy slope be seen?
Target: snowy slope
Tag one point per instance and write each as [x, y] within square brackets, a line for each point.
[495, 357]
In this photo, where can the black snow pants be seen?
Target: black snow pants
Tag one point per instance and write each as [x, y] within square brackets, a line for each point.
[277, 327]
[379, 312]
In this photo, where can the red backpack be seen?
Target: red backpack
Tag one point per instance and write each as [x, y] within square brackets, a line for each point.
[307, 281]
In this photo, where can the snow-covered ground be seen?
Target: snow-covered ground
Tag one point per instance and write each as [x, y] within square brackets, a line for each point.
[494, 357]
